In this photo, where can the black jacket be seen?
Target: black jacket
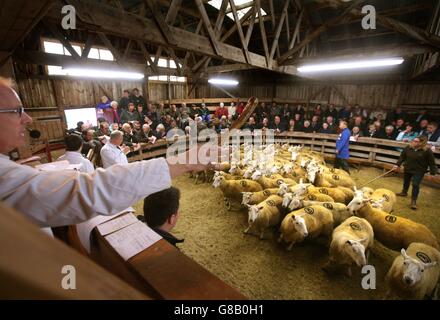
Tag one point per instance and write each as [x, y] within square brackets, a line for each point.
[166, 235]
[417, 160]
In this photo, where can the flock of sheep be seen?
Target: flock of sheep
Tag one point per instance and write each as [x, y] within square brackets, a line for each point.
[292, 189]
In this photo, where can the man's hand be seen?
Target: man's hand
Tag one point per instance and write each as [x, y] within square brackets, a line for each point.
[180, 164]
[125, 149]
[337, 151]
[395, 168]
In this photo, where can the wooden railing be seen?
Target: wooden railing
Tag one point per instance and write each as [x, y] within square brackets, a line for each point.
[367, 151]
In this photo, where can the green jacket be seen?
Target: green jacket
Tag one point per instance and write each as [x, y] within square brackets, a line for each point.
[417, 160]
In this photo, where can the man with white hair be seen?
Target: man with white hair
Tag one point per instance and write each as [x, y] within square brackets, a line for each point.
[146, 134]
[112, 153]
[160, 131]
[221, 111]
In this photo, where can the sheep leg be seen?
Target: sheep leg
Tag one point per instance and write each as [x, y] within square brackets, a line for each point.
[280, 238]
[228, 204]
[348, 272]
[246, 231]
[262, 234]
[289, 248]
[367, 256]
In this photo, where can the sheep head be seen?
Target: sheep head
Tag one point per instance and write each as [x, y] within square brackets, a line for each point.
[287, 168]
[412, 269]
[357, 203]
[378, 203]
[246, 197]
[256, 175]
[253, 213]
[248, 173]
[287, 198]
[301, 188]
[295, 203]
[233, 169]
[300, 225]
[283, 189]
[356, 250]
[218, 181]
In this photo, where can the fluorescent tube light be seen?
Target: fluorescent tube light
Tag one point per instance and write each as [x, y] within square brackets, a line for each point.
[223, 82]
[374, 63]
[97, 73]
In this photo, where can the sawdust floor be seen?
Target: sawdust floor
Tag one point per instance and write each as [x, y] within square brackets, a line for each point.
[263, 269]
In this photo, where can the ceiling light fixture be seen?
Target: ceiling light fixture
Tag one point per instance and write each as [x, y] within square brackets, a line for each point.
[223, 82]
[97, 73]
[362, 64]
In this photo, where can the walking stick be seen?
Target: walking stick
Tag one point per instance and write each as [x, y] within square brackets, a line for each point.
[378, 177]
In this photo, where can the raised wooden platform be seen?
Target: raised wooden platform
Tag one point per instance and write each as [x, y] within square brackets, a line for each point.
[163, 272]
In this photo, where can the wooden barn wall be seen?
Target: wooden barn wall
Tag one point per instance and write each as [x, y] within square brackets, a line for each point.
[46, 99]
[369, 96]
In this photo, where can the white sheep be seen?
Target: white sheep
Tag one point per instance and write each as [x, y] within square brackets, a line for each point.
[317, 176]
[267, 182]
[337, 194]
[382, 199]
[350, 245]
[298, 189]
[392, 231]
[259, 196]
[339, 210]
[309, 222]
[294, 202]
[264, 215]
[236, 170]
[227, 176]
[232, 189]
[415, 273]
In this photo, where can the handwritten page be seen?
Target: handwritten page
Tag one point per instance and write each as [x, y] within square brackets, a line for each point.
[132, 239]
[117, 224]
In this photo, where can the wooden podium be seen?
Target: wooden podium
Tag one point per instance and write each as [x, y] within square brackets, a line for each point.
[163, 272]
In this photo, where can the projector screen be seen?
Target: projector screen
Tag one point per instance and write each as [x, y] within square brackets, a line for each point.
[86, 115]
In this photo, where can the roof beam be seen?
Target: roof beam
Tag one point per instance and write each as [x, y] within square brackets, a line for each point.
[278, 31]
[228, 68]
[208, 26]
[262, 31]
[111, 20]
[251, 26]
[240, 31]
[147, 57]
[172, 11]
[393, 24]
[322, 28]
[43, 58]
[160, 21]
[62, 38]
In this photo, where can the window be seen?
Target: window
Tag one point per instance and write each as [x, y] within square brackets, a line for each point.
[170, 64]
[93, 53]
[244, 5]
[54, 46]
[165, 78]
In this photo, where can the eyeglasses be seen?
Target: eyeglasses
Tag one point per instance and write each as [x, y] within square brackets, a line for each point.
[19, 110]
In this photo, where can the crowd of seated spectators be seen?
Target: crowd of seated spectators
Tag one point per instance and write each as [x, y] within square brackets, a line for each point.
[142, 122]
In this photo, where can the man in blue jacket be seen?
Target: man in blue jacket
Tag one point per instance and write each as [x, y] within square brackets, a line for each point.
[342, 147]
